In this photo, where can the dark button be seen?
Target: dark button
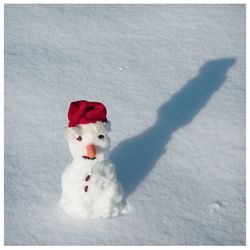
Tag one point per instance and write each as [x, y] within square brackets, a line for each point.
[79, 138]
[101, 136]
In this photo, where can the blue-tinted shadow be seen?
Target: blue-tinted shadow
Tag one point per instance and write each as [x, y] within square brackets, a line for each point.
[136, 156]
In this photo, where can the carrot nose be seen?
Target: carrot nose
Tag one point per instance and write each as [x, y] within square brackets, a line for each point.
[91, 151]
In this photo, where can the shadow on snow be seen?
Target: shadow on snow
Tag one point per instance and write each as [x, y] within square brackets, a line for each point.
[136, 156]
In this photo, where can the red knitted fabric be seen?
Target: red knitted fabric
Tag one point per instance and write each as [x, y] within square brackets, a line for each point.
[84, 112]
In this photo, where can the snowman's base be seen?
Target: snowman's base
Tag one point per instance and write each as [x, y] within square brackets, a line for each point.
[94, 214]
[102, 198]
[89, 208]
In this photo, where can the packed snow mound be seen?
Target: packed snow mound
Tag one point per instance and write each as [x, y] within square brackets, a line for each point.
[90, 188]
[104, 196]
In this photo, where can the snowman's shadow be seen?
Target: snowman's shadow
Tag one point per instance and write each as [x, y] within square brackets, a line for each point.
[135, 157]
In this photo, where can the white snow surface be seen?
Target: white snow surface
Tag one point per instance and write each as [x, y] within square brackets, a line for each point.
[173, 80]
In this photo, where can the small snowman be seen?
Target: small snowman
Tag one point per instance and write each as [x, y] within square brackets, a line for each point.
[90, 188]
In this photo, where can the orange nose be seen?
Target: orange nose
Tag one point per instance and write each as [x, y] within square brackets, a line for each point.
[91, 151]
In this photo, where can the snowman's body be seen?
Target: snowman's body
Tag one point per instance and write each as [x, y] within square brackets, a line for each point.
[90, 188]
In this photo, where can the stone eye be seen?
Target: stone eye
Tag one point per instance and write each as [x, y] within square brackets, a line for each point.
[79, 138]
[100, 136]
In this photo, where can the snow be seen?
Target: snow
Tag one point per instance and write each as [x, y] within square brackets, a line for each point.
[90, 188]
[173, 80]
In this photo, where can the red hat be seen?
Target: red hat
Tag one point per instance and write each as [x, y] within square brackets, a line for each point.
[84, 112]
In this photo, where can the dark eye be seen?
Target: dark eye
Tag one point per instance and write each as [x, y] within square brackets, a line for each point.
[79, 138]
[100, 136]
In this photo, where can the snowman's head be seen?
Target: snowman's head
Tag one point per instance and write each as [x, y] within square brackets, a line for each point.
[89, 142]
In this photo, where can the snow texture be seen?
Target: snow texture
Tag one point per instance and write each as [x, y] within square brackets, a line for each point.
[173, 80]
[90, 188]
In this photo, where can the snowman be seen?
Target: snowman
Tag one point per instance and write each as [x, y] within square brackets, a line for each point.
[90, 188]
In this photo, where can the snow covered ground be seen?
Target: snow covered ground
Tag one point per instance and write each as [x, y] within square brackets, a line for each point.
[173, 80]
